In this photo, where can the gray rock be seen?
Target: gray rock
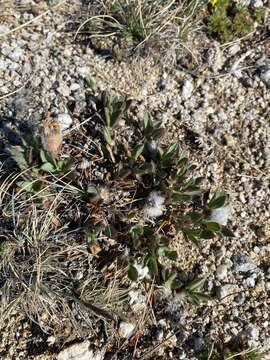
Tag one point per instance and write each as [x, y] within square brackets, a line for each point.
[225, 291]
[187, 89]
[80, 352]
[251, 332]
[265, 74]
[65, 121]
[242, 263]
[16, 54]
[3, 65]
[3, 28]
[240, 298]
[221, 272]
[257, 3]
[126, 329]
[196, 342]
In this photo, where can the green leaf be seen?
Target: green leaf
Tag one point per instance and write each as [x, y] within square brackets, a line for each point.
[211, 225]
[193, 216]
[92, 190]
[169, 153]
[218, 200]
[137, 150]
[132, 272]
[207, 234]
[48, 167]
[37, 186]
[18, 154]
[42, 156]
[170, 254]
[152, 265]
[226, 232]
[147, 168]
[136, 233]
[124, 172]
[91, 236]
[25, 185]
[107, 135]
[108, 231]
[192, 234]
[146, 122]
[195, 284]
[46, 157]
[91, 82]
[150, 260]
[172, 282]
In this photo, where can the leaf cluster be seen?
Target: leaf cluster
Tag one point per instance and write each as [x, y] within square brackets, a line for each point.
[228, 20]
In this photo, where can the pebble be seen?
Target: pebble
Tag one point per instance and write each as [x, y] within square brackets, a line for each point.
[16, 54]
[126, 329]
[242, 263]
[265, 74]
[225, 290]
[3, 28]
[221, 272]
[221, 215]
[251, 332]
[187, 89]
[65, 121]
[80, 351]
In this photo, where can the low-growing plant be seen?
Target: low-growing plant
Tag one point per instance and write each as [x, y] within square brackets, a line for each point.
[165, 174]
[122, 24]
[113, 109]
[228, 20]
[223, 352]
[35, 163]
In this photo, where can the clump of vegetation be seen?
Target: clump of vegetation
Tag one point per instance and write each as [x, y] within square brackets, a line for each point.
[229, 20]
[126, 24]
[148, 197]
[224, 353]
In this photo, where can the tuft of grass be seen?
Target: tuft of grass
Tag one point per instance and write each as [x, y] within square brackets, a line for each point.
[224, 353]
[122, 24]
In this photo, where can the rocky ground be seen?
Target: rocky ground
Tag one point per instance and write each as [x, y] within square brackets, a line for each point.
[213, 99]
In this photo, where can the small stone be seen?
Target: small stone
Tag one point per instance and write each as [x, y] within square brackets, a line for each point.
[221, 272]
[65, 121]
[242, 198]
[83, 71]
[265, 74]
[257, 3]
[234, 49]
[251, 332]
[224, 291]
[3, 28]
[187, 89]
[16, 54]
[251, 280]
[221, 215]
[74, 87]
[242, 263]
[64, 90]
[126, 329]
[80, 352]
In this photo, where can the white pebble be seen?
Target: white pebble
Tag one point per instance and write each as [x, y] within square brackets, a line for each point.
[221, 215]
[187, 89]
[126, 329]
[65, 121]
